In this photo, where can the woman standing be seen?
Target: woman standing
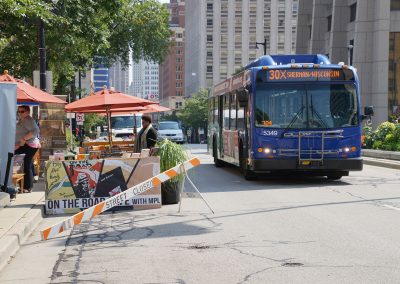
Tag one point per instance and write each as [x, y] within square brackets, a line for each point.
[27, 142]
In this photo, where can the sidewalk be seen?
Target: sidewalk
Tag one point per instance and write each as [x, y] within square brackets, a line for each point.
[22, 216]
[18, 220]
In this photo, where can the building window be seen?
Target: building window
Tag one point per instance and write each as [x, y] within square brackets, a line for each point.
[209, 69]
[329, 19]
[353, 12]
[209, 22]
[209, 38]
[179, 35]
[395, 5]
[209, 53]
[209, 7]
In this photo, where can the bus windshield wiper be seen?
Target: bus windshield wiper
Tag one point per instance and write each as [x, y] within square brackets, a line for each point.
[298, 113]
[319, 118]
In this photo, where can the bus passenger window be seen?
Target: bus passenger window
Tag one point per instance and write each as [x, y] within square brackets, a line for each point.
[233, 112]
[226, 112]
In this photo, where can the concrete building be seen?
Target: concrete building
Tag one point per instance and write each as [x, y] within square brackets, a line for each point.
[363, 33]
[172, 71]
[221, 36]
[121, 78]
[145, 80]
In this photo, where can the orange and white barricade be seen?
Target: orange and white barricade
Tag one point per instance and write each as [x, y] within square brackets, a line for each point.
[118, 199]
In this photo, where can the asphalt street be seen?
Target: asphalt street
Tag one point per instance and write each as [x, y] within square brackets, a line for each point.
[273, 230]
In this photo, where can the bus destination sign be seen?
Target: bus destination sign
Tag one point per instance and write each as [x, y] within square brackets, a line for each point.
[284, 75]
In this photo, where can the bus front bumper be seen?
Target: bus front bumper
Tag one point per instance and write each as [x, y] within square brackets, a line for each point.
[269, 165]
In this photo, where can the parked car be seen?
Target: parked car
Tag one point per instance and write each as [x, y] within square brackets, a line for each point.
[170, 130]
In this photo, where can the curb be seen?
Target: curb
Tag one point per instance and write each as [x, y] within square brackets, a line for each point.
[380, 154]
[17, 235]
[382, 163]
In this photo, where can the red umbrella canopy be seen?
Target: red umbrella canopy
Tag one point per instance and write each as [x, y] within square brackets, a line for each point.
[128, 110]
[106, 100]
[29, 94]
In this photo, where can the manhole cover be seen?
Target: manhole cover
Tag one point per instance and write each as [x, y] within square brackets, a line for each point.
[292, 264]
[199, 247]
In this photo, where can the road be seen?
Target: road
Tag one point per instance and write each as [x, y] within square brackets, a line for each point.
[286, 230]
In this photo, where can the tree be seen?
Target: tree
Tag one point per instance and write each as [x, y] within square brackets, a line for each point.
[80, 33]
[195, 110]
[93, 120]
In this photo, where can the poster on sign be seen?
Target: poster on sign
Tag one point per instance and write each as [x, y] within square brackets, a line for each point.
[72, 186]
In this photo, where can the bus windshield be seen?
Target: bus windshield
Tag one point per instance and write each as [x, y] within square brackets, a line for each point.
[305, 106]
[120, 122]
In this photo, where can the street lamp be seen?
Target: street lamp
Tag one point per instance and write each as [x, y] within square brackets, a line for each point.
[350, 54]
[264, 44]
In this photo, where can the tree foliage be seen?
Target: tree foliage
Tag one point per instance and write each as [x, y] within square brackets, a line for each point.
[93, 120]
[195, 110]
[80, 33]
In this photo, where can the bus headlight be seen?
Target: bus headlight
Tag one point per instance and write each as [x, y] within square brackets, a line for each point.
[349, 149]
[267, 151]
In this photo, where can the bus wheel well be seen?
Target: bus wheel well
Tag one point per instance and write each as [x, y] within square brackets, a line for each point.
[247, 173]
[218, 163]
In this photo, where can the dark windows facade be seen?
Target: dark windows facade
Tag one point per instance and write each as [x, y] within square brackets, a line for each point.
[353, 12]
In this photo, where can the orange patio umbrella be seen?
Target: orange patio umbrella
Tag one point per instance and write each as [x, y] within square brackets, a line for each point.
[128, 110]
[106, 101]
[29, 94]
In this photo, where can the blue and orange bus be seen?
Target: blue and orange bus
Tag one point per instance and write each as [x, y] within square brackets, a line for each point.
[288, 113]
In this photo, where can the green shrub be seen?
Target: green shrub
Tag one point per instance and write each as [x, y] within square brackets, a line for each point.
[396, 132]
[384, 129]
[74, 141]
[171, 154]
[377, 145]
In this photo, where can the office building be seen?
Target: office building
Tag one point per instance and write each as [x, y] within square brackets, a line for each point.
[363, 33]
[221, 36]
[172, 70]
[100, 77]
[145, 80]
[121, 77]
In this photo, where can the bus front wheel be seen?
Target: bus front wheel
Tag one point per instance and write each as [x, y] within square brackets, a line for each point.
[247, 174]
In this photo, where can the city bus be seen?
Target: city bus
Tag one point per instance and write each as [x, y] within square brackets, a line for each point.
[288, 113]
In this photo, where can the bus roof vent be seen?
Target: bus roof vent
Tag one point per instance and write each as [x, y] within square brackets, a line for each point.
[341, 63]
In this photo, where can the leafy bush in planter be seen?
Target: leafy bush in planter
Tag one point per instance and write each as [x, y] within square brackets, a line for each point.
[385, 137]
[171, 154]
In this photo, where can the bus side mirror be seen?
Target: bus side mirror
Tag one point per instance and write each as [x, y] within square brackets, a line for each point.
[368, 112]
[243, 97]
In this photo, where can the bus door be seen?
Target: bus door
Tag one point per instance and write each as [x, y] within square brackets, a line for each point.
[220, 123]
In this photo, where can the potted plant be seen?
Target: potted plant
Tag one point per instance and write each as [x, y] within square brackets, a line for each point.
[171, 154]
